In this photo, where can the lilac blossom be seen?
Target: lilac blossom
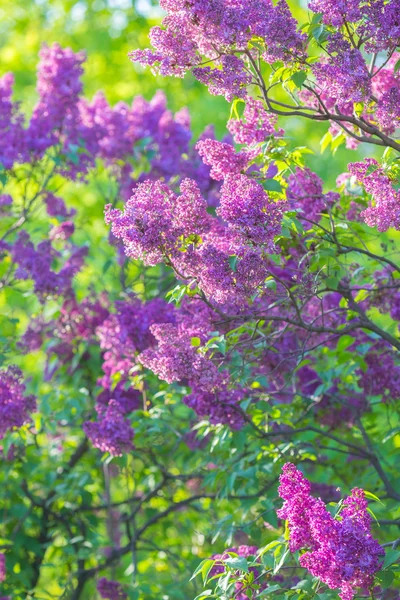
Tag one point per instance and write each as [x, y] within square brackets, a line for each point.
[112, 432]
[110, 590]
[341, 552]
[15, 405]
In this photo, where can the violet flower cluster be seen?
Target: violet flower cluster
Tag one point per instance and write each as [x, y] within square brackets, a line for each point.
[15, 405]
[385, 212]
[158, 225]
[2, 567]
[214, 30]
[340, 551]
[234, 38]
[110, 590]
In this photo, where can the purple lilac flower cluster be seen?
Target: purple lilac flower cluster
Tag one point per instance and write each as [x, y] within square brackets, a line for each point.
[2, 567]
[15, 405]
[81, 132]
[255, 125]
[214, 29]
[122, 335]
[110, 590]
[382, 375]
[341, 551]
[305, 192]
[175, 358]
[158, 225]
[84, 130]
[12, 146]
[385, 211]
[156, 221]
[36, 264]
[113, 432]
[220, 31]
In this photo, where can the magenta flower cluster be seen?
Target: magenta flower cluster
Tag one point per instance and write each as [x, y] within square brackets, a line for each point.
[385, 211]
[340, 551]
[214, 29]
[305, 192]
[110, 590]
[2, 567]
[15, 405]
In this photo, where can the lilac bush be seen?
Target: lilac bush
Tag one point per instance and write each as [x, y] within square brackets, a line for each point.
[190, 320]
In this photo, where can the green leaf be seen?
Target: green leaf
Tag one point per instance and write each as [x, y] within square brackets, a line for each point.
[391, 557]
[358, 108]
[316, 32]
[233, 262]
[373, 515]
[269, 590]
[326, 141]
[272, 185]
[176, 294]
[373, 497]
[299, 78]
[205, 594]
[195, 341]
[270, 284]
[237, 562]
[385, 578]
[281, 561]
[344, 342]
[234, 110]
[204, 568]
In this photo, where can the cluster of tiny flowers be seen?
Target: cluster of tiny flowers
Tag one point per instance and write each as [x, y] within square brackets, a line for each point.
[341, 552]
[380, 26]
[11, 125]
[55, 206]
[279, 31]
[122, 336]
[249, 211]
[335, 407]
[222, 158]
[110, 590]
[220, 406]
[231, 80]
[82, 131]
[345, 76]
[2, 567]
[214, 29]
[219, 567]
[385, 211]
[155, 220]
[36, 264]
[386, 89]
[175, 358]
[336, 12]
[255, 125]
[305, 192]
[62, 231]
[382, 375]
[15, 406]
[59, 86]
[126, 398]
[79, 320]
[376, 21]
[113, 432]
